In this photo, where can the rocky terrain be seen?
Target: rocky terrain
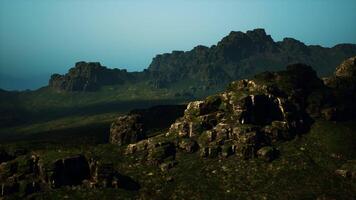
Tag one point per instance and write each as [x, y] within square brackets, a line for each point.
[279, 135]
[208, 69]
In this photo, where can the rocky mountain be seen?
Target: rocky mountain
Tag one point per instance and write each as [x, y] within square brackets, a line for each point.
[238, 55]
[89, 77]
[242, 55]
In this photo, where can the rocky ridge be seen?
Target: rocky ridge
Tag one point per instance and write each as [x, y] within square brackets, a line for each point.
[241, 55]
[238, 55]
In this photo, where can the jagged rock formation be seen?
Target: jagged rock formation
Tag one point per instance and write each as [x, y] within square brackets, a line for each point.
[88, 77]
[251, 113]
[238, 55]
[136, 125]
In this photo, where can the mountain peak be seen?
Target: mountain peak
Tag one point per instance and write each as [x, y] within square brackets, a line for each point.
[255, 35]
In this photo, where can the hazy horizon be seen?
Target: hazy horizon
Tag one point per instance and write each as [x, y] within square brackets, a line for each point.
[39, 38]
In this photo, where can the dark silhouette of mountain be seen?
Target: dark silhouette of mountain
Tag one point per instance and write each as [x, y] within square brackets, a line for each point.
[242, 55]
[238, 55]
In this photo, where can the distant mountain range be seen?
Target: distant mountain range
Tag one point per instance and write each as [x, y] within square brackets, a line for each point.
[238, 55]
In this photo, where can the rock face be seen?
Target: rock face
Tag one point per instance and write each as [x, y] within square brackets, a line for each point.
[88, 77]
[138, 124]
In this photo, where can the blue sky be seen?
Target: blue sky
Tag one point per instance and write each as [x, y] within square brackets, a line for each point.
[38, 38]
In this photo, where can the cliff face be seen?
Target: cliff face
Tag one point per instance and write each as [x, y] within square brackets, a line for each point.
[238, 55]
[88, 77]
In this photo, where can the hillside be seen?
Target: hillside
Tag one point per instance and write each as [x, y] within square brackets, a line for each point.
[279, 135]
[90, 88]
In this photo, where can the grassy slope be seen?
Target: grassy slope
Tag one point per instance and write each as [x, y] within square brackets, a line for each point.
[304, 170]
[51, 116]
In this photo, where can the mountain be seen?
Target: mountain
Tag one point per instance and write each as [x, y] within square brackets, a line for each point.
[242, 55]
[209, 69]
[88, 77]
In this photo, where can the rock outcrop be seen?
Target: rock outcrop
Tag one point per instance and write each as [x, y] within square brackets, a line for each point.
[251, 114]
[136, 125]
[88, 77]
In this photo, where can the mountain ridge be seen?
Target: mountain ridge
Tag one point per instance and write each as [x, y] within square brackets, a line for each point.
[237, 55]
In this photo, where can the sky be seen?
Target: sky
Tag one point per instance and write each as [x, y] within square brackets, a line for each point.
[42, 37]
